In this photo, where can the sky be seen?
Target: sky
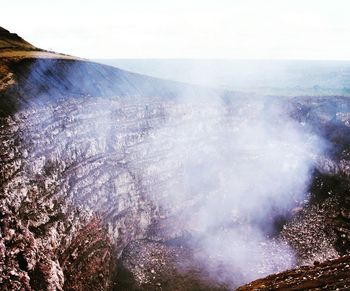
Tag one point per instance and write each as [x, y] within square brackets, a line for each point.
[234, 29]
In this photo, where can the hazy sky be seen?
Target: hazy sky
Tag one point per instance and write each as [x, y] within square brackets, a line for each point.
[278, 29]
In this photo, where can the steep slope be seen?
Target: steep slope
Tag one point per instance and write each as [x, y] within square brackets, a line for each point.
[39, 80]
[12, 42]
[29, 75]
[329, 275]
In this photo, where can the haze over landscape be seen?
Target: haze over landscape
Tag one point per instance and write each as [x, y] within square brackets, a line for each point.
[276, 77]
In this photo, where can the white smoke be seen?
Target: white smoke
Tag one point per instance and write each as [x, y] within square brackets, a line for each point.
[226, 172]
[223, 169]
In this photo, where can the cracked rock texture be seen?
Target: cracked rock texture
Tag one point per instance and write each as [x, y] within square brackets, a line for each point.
[66, 197]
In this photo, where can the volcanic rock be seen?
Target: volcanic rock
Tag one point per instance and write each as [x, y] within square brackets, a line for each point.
[78, 187]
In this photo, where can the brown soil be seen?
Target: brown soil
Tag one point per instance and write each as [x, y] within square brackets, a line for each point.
[329, 275]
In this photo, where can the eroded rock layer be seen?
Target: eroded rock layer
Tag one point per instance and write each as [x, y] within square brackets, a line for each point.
[63, 188]
[77, 187]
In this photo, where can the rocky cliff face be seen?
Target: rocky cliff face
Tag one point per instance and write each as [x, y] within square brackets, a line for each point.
[88, 164]
[77, 187]
[75, 191]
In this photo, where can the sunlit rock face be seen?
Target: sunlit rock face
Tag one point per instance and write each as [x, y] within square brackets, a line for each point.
[83, 178]
[76, 188]
[59, 171]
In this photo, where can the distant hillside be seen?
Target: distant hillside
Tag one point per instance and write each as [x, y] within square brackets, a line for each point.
[11, 41]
